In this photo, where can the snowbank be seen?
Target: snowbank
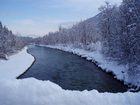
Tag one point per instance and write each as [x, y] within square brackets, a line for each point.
[35, 92]
[15, 65]
[120, 71]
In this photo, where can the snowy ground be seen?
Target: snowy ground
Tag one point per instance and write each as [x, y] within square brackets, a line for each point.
[35, 92]
[120, 71]
[17, 64]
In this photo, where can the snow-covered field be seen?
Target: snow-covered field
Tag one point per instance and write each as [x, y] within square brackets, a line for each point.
[35, 92]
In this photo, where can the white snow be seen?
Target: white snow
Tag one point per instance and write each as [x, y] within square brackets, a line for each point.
[17, 64]
[35, 92]
[109, 66]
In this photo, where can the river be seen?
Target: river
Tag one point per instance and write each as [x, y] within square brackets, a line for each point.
[70, 71]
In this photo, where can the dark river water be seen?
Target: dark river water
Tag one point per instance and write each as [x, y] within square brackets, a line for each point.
[70, 71]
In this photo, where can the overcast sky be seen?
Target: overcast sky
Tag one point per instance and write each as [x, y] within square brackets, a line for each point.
[29, 17]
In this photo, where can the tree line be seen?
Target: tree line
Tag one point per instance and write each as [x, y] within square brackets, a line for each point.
[120, 31]
[10, 43]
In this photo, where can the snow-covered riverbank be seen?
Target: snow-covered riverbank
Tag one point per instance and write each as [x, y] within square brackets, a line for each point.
[15, 65]
[35, 92]
[120, 71]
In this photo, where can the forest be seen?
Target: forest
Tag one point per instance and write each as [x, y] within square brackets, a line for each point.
[10, 43]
